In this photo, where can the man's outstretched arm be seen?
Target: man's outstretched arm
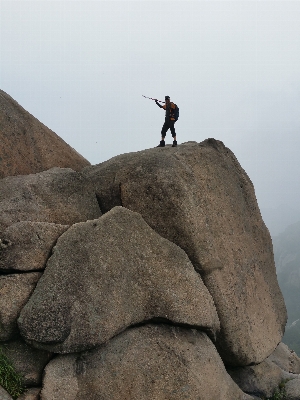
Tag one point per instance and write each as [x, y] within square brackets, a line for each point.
[159, 105]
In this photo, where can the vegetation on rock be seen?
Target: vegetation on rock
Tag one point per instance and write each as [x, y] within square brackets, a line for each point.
[10, 380]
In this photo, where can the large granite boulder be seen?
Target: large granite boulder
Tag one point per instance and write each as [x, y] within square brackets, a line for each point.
[28, 146]
[145, 363]
[28, 245]
[15, 291]
[59, 195]
[199, 197]
[108, 274]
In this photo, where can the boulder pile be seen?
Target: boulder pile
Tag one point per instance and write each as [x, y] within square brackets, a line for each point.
[148, 276]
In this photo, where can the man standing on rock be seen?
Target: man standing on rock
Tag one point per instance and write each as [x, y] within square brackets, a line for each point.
[170, 120]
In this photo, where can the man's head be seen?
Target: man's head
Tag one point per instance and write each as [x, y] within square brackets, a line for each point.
[167, 99]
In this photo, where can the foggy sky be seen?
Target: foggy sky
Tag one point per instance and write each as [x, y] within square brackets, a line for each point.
[233, 68]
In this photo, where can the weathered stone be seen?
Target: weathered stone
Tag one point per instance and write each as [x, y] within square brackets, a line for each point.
[61, 196]
[29, 245]
[27, 361]
[286, 359]
[199, 197]
[108, 274]
[28, 146]
[259, 380]
[4, 395]
[15, 291]
[145, 363]
[292, 389]
[30, 394]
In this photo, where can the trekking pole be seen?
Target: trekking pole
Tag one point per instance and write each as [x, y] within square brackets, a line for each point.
[153, 99]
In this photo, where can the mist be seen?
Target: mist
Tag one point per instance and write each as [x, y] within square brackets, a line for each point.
[232, 67]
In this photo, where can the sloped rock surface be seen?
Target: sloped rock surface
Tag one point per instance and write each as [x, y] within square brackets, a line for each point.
[107, 274]
[286, 359]
[28, 146]
[27, 361]
[260, 380]
[59, 195]
[199, 197]
[15, 291]
[29, 245]
[146, 363]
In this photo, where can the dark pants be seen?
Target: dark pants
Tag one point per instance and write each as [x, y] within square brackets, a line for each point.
[168, 125]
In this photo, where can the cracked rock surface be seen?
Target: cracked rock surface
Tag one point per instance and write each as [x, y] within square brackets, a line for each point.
[198, 196]
[145, 363]
[108, 274]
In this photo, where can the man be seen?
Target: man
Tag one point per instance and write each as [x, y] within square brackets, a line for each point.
[169, 121]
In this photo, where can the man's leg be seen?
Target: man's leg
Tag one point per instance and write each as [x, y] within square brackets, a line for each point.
[164, 130]
[172, 129]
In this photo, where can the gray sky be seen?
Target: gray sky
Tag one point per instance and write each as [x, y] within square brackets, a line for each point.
[233, 68]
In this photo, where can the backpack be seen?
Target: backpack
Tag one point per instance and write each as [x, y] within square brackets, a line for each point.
[176, 112]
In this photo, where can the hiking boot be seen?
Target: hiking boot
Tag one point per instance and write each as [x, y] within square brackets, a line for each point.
[174, 143]
[161, 144]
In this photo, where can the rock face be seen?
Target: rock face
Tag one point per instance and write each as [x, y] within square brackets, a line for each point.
[149, 298]
[28, 245]
[114, 272]
[145, 363]
[15, 291]
[259, 380]
[198, 196]
[286, 359]
[60, 196]
[28, 146]
[293, 389]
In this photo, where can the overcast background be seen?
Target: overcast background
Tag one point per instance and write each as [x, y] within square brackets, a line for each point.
[233, 68]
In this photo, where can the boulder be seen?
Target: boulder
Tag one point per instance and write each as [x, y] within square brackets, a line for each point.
[147, 362]
[108, 274]
[263, 379]
[60, 196]
[292, 389]
[286, 359]
[29, 245]
[27, 361]
[15, 291]
[4, 395]
[28, 146]
[199, 197]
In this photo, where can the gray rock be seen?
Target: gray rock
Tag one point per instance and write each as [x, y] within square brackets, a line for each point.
[258, 380]
[199, 197]
[27, 361]
[15, 291]
[4, 395]
[108, 274]
[292, 389]
[31, 394]
[145, 363]
[59, 195]
[286, 359]
[28, 146]
[29, 245]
